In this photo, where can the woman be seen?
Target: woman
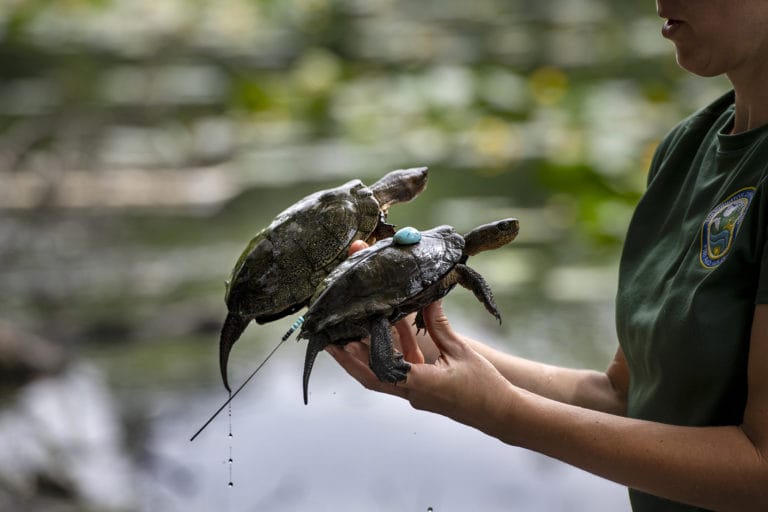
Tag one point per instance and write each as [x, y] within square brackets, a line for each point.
[681, 414]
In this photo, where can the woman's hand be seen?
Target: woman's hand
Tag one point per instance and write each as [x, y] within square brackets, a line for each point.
[460, 383]
[453, 380]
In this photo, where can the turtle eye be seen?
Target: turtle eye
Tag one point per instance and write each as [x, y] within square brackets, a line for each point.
[364, 192]
[509, 227]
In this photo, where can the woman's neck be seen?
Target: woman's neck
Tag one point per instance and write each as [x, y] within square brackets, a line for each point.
[751, 98]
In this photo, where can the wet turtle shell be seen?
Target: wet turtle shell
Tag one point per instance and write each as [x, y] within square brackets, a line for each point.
[379, 285]
[280, 268]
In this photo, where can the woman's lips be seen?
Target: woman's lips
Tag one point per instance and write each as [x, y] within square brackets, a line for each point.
[670, 27]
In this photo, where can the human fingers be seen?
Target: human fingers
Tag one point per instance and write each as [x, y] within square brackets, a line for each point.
[407, 341]
[357, 245]
[353, 357]
[439, 328]
[461, 384]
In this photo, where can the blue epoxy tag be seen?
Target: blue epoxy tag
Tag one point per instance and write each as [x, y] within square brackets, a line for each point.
[407, 236]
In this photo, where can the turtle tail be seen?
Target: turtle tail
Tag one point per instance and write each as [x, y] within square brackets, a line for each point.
[233, 327]
[314, 346]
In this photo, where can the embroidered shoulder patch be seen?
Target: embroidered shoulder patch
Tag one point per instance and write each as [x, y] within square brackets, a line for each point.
[721, 227]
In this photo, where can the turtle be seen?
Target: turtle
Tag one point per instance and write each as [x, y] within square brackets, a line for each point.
[377, 286]
[281, 266]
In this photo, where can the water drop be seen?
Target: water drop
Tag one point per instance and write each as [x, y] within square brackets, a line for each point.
[231, 481]
[230, 484]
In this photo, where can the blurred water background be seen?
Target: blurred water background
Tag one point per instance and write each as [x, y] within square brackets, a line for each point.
[142, 144]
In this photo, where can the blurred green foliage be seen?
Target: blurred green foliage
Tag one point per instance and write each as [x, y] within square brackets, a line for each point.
[181, 125]
[492, 86]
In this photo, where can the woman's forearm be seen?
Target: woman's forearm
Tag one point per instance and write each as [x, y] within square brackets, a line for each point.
[530, 405]
[717, 468]
[584, 388]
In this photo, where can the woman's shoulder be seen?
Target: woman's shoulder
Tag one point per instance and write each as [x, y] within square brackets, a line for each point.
[693, 131]
[704, 118]
[718, 107]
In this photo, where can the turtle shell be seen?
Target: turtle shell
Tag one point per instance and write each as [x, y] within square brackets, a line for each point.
[400, 272]
[283, 264]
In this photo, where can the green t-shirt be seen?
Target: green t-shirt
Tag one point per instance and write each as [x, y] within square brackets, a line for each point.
[692, 269]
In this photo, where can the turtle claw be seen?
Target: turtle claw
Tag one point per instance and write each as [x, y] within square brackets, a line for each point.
[396, 371]
[420, 323]
[473, 281]
[383, 230]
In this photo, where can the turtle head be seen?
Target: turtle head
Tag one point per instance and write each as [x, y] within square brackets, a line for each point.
[490, 236]
[399, 186]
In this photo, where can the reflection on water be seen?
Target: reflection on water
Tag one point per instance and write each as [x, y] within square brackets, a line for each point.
[62, 438]
[352, 450]
[349, 449]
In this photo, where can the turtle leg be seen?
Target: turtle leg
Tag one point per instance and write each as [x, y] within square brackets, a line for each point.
[314, 345]
[383, 229]
[386, 363]
[473, 281]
